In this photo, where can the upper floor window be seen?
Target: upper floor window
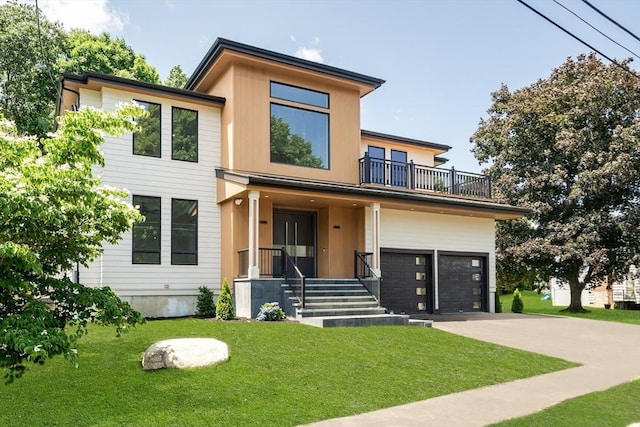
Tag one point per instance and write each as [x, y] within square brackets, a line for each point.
[184, 232]
[146, 141]
[300, 95]
[184, 134]
[299, 136]
[146, 235]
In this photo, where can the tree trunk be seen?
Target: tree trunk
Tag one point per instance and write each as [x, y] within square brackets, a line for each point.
[576, 289]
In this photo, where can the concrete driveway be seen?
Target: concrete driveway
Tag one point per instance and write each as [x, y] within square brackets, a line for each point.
[609, 353]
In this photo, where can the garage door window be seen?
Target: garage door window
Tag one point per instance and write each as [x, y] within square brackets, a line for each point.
[421, 260]
[476, 277]
[475, 263]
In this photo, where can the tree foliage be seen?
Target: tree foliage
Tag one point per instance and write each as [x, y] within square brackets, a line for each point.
[54, 214]
[568, 148]
[176, 78]
[29, 67]
[33, 53]
[103, 54]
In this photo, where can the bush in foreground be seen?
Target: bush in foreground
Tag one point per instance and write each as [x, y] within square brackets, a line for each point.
[271, 311]
[224, 306]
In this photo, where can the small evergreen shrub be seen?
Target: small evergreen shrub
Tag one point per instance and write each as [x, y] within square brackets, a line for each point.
[224, 306]
[205, 306]
[517, 305]
[271, 311]
[498, 302]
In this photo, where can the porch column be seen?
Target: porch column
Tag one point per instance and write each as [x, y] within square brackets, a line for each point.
[375, 237]
[254, 220]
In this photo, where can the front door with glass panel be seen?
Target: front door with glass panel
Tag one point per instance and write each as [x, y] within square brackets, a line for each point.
[295, 232]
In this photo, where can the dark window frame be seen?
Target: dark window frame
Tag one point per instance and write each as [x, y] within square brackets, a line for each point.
[272, 82]
[133, 148]
[173, 157]
[180, 252]
[135, 251]
[296, 107]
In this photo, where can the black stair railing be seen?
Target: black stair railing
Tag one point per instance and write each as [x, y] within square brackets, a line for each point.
[365, 274]
[270, 262]
[295, 279]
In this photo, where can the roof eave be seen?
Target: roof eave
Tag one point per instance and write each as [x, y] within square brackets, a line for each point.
[222, 44]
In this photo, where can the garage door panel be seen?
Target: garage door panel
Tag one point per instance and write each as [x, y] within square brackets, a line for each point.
[461, 283]
[404, 282]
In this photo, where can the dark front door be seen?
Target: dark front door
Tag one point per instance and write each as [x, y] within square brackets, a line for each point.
[295, 231]
[462, 283]
[406, 282]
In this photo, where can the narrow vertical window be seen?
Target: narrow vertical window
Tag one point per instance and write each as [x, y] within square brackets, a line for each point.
[184, 134]
[184, 232]
[146, 141]
[146, 235]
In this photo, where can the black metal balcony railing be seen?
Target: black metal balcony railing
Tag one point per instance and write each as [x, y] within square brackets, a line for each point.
[417, 177]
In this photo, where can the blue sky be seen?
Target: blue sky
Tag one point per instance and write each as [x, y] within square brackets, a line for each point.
[441, 59]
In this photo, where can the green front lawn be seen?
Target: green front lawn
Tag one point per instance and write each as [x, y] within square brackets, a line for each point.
[617, 406]
[279, 374]
[533, 303]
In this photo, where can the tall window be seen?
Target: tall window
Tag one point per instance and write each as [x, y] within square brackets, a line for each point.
[299, 136]
[146, 235]
[184, 134]
[146, 142]
[184, 232]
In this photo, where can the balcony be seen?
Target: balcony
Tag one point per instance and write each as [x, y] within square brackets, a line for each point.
[416, 177]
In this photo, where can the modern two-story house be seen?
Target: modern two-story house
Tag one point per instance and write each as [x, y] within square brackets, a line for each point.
[259, 171]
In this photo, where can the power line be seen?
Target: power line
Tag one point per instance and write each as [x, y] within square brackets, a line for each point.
[603, 34]
[613, 61]
[611, 20]
[44, 58]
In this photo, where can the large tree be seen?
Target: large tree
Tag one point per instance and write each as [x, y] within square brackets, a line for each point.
[54, 214]
[568, 148]
[104, 54]
[33, 53]
[30, 52]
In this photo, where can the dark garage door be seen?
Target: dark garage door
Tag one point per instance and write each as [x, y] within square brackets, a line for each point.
[406, 282]
[461, 283]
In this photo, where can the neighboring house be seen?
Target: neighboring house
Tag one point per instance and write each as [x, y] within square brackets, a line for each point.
[260, 164]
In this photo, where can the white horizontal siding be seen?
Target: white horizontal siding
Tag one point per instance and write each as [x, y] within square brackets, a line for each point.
[437, 232]
[165, 178]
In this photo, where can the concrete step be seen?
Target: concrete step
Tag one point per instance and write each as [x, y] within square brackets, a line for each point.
[341, 305]
[339, 298]
[336, 311]
[356, 320]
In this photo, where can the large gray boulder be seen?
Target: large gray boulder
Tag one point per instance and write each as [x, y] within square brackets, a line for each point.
[185, 353]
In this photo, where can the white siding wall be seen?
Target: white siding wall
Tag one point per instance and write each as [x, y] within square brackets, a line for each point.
[438, 232]
[165, 178]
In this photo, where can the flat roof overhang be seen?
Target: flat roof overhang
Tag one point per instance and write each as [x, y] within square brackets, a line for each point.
[71, 83]
[298, 191]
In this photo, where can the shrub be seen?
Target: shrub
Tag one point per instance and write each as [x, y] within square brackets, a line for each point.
[224, 306]
[498, 302]
[205, 306]
[271, 311]
[517, 305]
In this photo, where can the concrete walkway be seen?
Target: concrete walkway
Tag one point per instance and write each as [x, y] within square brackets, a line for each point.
[609, 353]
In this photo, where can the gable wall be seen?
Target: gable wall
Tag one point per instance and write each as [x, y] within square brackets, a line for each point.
[246, 123]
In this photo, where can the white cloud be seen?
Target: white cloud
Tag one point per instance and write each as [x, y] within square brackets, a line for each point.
[93, 15]
[310, 54]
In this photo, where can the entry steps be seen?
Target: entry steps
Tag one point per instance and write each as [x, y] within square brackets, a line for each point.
[342, 302]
